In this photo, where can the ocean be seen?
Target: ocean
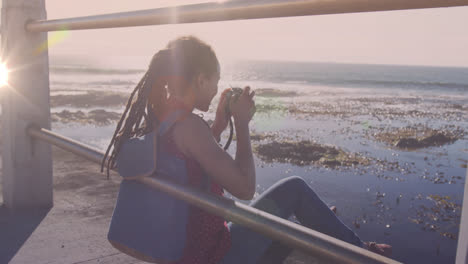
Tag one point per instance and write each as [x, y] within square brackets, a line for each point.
[407, 197]
[422, 78]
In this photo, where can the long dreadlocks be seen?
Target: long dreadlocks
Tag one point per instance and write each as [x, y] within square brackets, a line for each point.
[185, 57]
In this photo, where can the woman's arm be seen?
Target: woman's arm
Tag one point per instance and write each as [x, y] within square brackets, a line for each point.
[244, 157]
[221, 119]
[236, 176]
[242, 111]
[198, 141]
[216, 131]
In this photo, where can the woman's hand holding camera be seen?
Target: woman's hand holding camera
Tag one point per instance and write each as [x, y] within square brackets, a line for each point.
[243, 108]
[222, 118]
[240, 106]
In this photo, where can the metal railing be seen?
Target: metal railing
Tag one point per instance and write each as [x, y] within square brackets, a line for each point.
[294, 235]
[233, 10]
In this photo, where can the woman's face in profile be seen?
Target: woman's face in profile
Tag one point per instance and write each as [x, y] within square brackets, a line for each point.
[207, 91]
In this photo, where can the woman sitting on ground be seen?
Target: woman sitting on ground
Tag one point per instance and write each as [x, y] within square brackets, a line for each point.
[184, 76]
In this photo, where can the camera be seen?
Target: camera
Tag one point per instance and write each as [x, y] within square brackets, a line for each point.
[232, 96]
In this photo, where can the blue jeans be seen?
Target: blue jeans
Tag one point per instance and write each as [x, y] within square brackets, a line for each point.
[290, 196]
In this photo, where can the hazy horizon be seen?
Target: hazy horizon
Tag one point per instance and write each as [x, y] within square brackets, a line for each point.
[64, 59]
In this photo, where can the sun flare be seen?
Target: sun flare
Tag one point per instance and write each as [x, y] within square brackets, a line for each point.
[3, 75]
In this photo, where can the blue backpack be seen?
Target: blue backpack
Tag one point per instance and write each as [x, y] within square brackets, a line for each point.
[149, 224]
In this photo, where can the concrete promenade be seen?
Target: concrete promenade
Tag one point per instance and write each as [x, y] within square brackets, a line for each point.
[75, 229]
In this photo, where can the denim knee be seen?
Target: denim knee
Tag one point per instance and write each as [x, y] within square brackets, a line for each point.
[295, 183]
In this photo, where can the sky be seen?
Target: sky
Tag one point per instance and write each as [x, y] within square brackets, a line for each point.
[416, 37]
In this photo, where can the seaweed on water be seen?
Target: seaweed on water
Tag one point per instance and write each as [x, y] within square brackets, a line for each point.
[269, 106]
[97, 117]
[415, 137]
[270, 92]
[306, 152]
[91, 98]
[259, 137]
[442, 213]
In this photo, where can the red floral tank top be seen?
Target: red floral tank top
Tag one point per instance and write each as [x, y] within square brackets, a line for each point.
[208, 237]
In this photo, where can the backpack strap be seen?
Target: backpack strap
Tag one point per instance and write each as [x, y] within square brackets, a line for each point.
[164, 127]
[171, 119]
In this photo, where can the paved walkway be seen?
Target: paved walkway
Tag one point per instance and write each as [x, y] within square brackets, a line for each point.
[75, 229]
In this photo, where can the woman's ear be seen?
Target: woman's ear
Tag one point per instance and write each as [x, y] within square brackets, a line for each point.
[201, 80]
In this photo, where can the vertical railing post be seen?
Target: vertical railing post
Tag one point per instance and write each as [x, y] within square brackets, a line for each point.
[462, 247]
[27, 164]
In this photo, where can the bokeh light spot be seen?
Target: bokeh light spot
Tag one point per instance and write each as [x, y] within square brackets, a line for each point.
[3, 74]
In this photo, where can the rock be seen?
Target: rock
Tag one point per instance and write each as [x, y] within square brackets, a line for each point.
[437, 139]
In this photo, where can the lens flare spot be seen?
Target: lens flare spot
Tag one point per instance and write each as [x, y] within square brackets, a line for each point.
[3, 74]
[54, 38]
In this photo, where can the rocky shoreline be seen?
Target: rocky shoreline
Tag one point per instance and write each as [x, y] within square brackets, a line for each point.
[396, 165]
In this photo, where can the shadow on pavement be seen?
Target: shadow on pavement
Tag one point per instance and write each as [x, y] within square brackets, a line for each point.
[15, 228]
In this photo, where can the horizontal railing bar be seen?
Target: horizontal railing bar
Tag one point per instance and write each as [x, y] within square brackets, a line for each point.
[294, 235]
[233, 10]
[68, 144]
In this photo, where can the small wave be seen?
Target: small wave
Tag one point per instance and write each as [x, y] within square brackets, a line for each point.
[270, 92]
[387, 84]
[98, 117]
[296, 82]
[89, 99]
[110, 82]
[62, 92]
[96, 71]
[113, 82]
[410, 84]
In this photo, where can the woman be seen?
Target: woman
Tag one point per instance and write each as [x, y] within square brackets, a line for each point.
[184, 77]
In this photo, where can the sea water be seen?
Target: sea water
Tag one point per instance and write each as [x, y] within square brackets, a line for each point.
[341, 105]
